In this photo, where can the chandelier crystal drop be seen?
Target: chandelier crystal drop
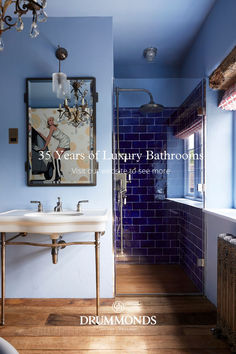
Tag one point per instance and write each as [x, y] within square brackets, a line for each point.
[19, 24]
[21, 7]
[42, 16]
[34, 32]
[1, 44]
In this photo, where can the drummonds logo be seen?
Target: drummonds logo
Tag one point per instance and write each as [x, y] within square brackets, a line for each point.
[120, 319]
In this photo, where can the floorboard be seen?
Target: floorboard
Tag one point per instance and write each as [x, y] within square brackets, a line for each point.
[51, 326]
[149, 279]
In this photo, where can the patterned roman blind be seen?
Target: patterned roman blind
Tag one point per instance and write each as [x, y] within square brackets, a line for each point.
[228, 101]
[187, 119]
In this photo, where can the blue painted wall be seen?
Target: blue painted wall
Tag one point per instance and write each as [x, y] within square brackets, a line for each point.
[146, 70]
[219, 156]
[89, 42]
[213, 43]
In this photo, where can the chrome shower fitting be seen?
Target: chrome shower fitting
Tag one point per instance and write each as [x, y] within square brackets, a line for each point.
[121, 188]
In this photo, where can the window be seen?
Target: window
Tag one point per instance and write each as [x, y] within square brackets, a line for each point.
[193, 171]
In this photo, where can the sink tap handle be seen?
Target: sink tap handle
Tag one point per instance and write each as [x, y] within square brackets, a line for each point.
[40, 207]
[79, 206]
[58, 207]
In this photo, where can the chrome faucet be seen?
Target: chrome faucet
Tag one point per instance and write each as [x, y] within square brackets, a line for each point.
[79, 206]
[40, 207]
[58, 207]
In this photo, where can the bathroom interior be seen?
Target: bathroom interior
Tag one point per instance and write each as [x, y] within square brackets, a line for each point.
[159, 235]
[145, 207]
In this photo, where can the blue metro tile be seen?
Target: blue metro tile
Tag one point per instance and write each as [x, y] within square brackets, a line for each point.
[139, 251]
[132, 136]
[146, 136]
[139, 129]
[150, 213]
[140, 190]
[125, 129]
[147, 121]
[131, 244]
[149, 228]
[139, 221]
[155, 128]
[146, 198]
[124, 113]
[139, 144]
[148, 244]
[131, 213]
[139, 236]
[130, 121]
[154, 251]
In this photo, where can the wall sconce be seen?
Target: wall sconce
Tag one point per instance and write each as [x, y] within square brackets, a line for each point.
[60, 83]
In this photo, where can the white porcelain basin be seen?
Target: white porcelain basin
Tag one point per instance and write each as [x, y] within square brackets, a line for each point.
[53, 222]
[53, 213]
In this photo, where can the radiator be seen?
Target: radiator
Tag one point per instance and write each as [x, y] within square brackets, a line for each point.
[226, 289]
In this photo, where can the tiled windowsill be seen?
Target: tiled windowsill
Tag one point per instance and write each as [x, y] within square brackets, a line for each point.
[227, 214]
[186, 201]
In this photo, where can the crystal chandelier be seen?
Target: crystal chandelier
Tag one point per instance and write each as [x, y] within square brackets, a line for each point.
[80, 113]
[22, 7]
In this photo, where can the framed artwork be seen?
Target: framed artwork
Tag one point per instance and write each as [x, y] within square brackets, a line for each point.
[61, 133]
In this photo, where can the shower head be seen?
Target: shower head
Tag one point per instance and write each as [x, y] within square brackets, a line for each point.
[151, 107]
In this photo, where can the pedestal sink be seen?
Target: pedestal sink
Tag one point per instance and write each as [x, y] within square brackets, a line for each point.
[55, 224]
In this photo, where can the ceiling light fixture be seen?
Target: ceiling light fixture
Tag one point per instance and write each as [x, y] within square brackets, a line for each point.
[22, 7]
[150, 54]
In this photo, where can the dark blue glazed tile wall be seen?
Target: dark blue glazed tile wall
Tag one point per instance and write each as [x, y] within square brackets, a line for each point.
[150, 230]
[190, 225]
[159, 231]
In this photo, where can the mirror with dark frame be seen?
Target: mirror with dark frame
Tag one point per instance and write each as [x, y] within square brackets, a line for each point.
[61, 143]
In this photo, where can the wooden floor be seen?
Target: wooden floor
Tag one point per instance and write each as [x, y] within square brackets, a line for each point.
[52, 327]
[149, 279]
